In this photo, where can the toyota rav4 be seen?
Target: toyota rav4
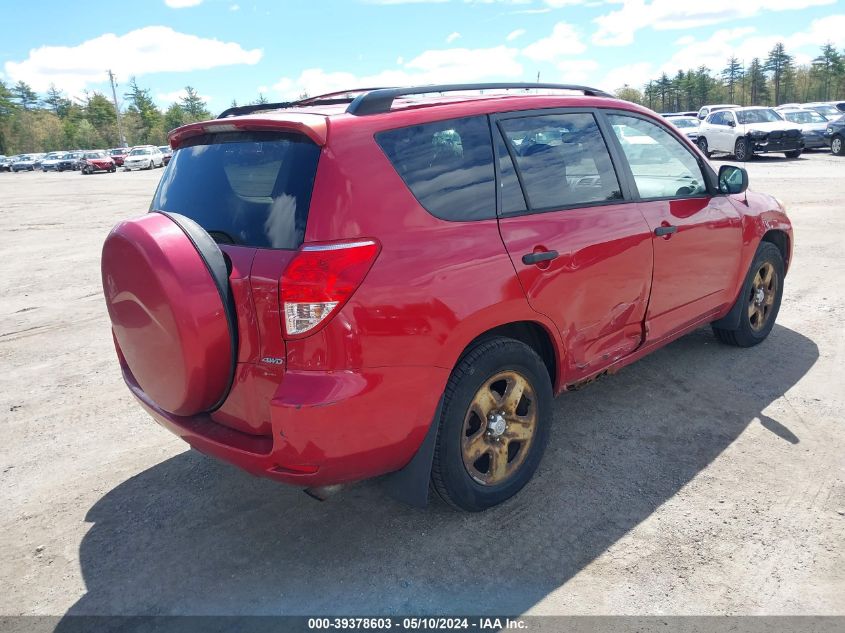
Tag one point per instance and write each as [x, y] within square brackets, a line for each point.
[400, 280]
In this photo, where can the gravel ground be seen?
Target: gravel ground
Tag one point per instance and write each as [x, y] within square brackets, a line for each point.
[700, 480]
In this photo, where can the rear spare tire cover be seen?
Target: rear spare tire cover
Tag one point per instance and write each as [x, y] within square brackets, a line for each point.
[166, 288]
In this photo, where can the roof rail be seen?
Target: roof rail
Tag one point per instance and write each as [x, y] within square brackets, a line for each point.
[330, 98]
[381, 100]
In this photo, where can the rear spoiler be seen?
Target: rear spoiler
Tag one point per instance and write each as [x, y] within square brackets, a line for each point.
[313, 126]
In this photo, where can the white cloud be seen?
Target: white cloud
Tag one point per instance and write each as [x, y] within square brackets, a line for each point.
[617, 28]
[564, 40]
[515, 34]
[577, 71]
[452, 37]
[634, 75]
[745, 43]
[176, 95]
[234, 7]
[181, 4]
[452, 65]
[143, 51]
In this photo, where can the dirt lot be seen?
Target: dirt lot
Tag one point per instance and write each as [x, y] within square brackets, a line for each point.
[701, 480]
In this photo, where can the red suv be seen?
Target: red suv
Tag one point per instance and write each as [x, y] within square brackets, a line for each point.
[400, 280]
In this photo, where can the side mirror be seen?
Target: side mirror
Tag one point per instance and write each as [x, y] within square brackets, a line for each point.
[731, 122]
[732, 179]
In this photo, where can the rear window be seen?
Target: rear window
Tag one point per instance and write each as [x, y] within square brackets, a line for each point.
[447, 165]
[245, 188]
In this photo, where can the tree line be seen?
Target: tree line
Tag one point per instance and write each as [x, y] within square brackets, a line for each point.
[30, 122]
[771, 80]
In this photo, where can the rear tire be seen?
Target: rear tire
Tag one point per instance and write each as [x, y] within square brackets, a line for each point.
[702, 145]
[760, 299]
[837, 145]
[793, 154]
[742, 150]
[494, 425]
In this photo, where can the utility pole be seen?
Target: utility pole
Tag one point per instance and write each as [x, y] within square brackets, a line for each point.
[117, 111]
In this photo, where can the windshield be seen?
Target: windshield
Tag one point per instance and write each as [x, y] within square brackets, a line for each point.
[680, 122]
[760, 115]
[94, 155]
[247, 188]
[805, 116]
[140, 151]
[826, 109]
[116, 152]
[164, 148]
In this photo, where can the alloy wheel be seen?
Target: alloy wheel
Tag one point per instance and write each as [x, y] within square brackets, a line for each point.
[764, 289]
[499, 428]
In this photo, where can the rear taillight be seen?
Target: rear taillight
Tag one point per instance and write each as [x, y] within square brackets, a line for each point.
[320, 279]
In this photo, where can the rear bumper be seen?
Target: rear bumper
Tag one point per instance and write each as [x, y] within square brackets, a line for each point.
[327, 427]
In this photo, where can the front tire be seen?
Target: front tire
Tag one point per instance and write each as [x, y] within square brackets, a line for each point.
[760, 299]
[837, 146]
[702, 145]
[494, 425]
[793, 154]
[742, 150]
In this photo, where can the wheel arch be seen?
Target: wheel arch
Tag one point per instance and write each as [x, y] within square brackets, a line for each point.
[780, 239]
[534, 334]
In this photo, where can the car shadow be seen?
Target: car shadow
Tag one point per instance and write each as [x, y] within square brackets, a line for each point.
[194, 536]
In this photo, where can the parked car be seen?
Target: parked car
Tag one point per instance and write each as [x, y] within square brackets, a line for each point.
[24, 162]
[69, 161]
[166, 154]
[6, 163]
[118, 155]
[97, 160]
[405, 294]
[835, 135]
[50, 161]
[143, 157]
[827, 109]
[705, 110]
[745, 132]
[811, 123]
[686, 124]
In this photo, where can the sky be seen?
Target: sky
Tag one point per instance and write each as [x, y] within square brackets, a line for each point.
[236, 49]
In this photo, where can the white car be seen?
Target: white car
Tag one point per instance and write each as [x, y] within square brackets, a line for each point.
[709, 109]
[745, 132]
[686, 124]
[143, 157]
[811, 123]
[51, 160]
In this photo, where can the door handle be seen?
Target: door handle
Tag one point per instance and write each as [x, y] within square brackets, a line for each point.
[662, 231]
[540, 256]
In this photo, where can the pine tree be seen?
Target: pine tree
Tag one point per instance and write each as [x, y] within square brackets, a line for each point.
[732, 76]
[193, 106]
[777, 64]
[26, 96]
[757, 91]
[828, 66]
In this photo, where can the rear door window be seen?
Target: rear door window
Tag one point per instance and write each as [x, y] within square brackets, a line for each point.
[245, 188]
[447, 165]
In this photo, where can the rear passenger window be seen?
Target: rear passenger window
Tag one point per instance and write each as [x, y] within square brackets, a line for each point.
[562, 159]
[447, 165]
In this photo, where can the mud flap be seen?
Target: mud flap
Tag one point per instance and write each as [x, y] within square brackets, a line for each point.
[411, 484]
